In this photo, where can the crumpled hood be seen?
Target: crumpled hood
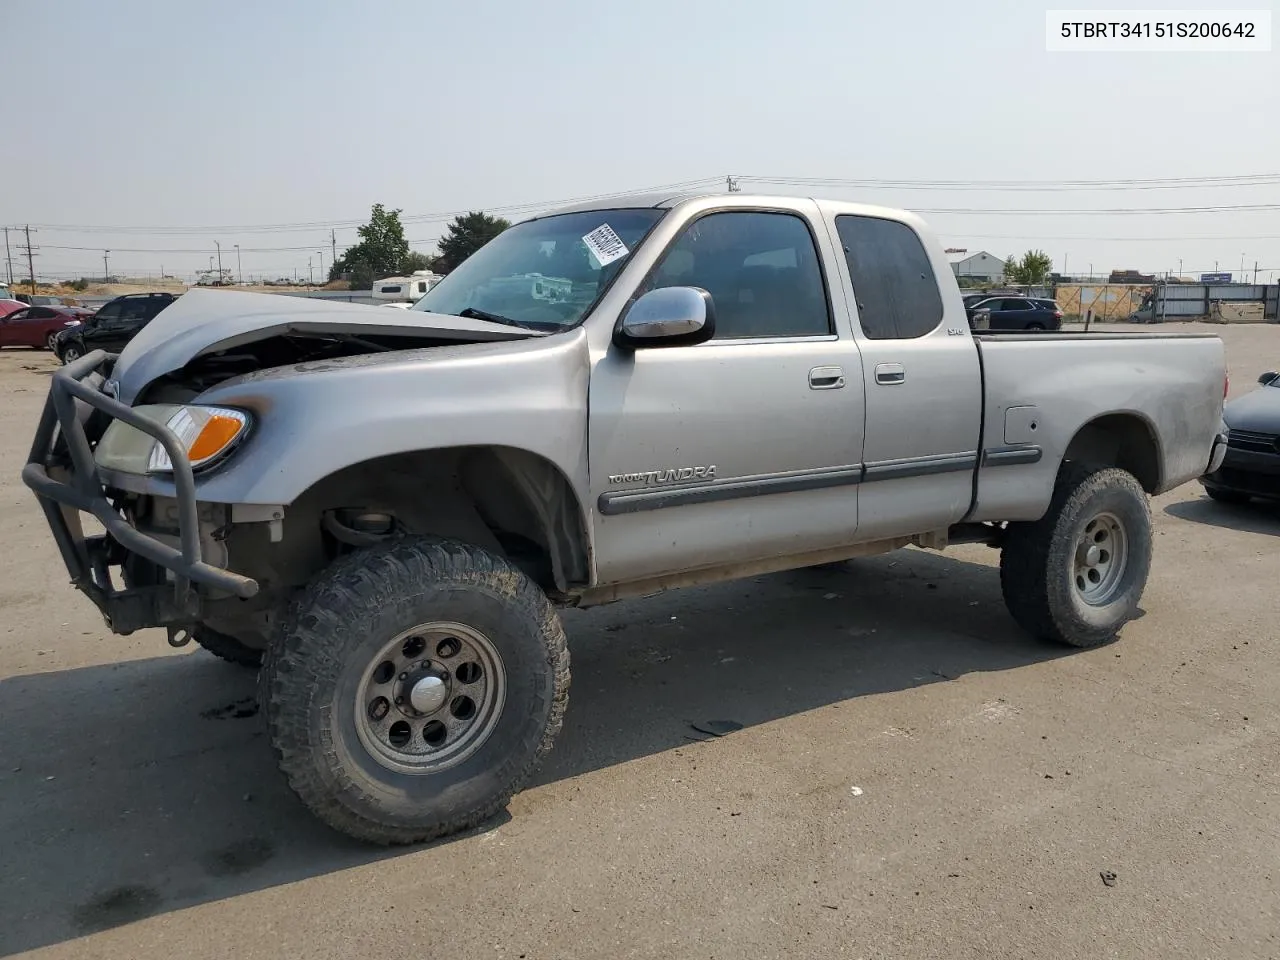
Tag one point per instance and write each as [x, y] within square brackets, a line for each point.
[1257, 412]
[205, 321]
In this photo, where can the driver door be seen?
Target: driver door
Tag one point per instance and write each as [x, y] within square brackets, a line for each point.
[743, 447]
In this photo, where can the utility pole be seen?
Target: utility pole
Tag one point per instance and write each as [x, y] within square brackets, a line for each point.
[731, 183]
[1255, 271]
[8, 255]
[311, 277]
[31, 267]
[106, 271]
[333, 244]
[239, 270]
[219, 246]
[320, 254]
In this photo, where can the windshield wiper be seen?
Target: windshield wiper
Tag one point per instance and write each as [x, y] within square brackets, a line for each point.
[471, 313]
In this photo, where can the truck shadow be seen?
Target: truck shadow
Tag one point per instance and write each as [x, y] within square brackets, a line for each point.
[1253, 517]
[139, 788]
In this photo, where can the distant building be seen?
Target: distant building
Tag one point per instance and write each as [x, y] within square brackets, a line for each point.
[980, 265]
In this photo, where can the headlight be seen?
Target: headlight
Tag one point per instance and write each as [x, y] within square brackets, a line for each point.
[206, 433]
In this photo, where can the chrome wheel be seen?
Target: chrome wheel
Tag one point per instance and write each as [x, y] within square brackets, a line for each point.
[52, 342]
[430, 698]
[71, 354]
[1101, 554]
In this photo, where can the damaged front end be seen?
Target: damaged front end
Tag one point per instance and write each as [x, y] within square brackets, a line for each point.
[159, 573]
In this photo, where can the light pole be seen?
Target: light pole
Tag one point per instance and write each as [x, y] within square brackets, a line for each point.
[239, 270]
[219, 246]
[311, 278]
[1179, 268]
[320, 254]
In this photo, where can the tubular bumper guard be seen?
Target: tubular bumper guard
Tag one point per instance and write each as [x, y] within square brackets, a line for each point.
[87, 558]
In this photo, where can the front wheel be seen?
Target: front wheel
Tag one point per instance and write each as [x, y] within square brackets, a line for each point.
[71, 353]
[413, 689]
[1076, 575]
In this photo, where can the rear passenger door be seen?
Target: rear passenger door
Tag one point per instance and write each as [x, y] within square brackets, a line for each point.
[922, 380]
[1014, 314]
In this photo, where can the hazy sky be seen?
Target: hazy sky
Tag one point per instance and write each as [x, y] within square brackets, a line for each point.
[170, 118]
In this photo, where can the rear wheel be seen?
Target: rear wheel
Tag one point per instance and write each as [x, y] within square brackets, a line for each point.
[51, 343]
[1035, 326]
[1076, 575]
[413, 689]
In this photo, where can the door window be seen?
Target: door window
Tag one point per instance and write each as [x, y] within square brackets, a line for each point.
[1018, 305]
[893, 282]
[108, 315]
[19, 315]
[761, 269]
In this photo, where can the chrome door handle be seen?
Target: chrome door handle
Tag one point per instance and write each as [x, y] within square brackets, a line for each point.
[826, 378]
[888, 374]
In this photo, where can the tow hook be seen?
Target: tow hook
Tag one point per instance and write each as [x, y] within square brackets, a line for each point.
[179, 636]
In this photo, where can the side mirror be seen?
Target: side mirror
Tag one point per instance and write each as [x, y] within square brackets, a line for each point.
[667, 317]
[1269, 378]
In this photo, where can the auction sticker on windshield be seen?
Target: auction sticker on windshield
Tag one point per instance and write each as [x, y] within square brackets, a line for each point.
[605, 245]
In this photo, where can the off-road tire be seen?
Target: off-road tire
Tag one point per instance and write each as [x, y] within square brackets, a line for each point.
[1037, 561]
[311, 675]
[227, 648]
[1227, 496]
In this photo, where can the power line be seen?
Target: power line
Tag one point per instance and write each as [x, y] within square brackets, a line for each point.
[1161, 183]
[298, 227]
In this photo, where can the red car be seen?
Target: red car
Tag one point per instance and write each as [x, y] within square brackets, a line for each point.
[8, 306]
[38, 326]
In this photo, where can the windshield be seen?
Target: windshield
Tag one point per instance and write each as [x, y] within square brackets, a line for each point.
[545, 273]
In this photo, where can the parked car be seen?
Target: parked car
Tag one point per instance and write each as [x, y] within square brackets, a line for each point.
[1017, 313]
[8, 306]
[384, 507]
[112, 326]
[39, 326]
[1251, 468]
[41, 300]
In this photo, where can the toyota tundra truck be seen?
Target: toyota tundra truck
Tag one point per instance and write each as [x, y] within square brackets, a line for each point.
[382, 510]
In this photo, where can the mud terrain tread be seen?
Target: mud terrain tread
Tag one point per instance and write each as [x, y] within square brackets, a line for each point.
[1041, 604]
[309, 646]
[227, 648]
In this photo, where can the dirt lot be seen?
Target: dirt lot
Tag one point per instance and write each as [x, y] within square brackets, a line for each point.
[914, 778]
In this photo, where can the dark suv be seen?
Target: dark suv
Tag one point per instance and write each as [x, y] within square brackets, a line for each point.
[1017, 313]
[118, 322]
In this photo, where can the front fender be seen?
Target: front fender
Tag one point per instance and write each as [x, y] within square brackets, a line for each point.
[312, 420]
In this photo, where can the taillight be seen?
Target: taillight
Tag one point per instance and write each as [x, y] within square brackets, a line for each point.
[1057, 314]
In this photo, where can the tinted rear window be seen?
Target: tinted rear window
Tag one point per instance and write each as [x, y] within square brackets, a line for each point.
[893, 281]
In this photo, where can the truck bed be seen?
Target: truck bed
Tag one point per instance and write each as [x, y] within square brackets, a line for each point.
[1158, 396]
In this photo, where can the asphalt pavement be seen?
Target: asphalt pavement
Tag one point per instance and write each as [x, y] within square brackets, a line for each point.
[901, 772]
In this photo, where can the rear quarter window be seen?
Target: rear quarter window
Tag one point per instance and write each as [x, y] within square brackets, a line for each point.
[894, 284]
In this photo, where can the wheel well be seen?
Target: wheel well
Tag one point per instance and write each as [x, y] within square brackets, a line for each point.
[1119, 440]
[509, 501]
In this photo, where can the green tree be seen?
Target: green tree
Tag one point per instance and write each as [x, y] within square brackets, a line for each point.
[414, 260]
[464, 236]
[1032, 269]
[381, 251]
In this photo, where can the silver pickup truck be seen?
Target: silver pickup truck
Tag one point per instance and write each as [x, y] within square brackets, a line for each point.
[385, 508]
